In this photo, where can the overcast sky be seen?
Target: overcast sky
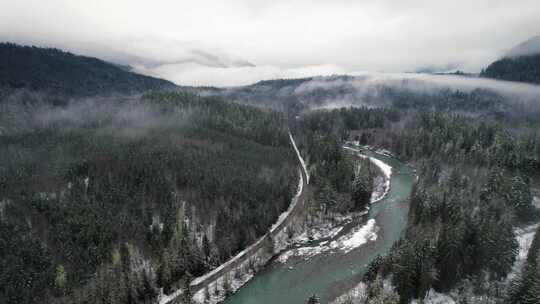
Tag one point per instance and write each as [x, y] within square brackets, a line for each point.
[232, 42]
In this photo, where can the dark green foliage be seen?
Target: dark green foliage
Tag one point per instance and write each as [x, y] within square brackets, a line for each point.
[362, 186]
[91, 176]
[412, 265]
[457, 139]
[297, 96]
[340, 186]
[328, 197]
[373, 269]
[25, 266]
[475, 101]
[187, 295]
[455, 231]
[472, 186]
[523, 68]
[59, 72]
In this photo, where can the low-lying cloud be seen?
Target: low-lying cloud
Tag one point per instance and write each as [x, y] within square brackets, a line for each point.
[380, 89]
[192, 74]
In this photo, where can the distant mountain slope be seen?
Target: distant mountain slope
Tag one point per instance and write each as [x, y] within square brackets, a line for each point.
[522, 63]
[60, 72]
[524, 68]
[526, 48]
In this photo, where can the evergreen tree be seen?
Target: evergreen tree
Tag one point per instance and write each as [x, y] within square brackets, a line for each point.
[520, 197]
[147, 291]
[164, 273]
[187, 296]
[206, 247]
[362, 186]
[328, 196]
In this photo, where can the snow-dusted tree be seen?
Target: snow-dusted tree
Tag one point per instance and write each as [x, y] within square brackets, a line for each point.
[362, 186]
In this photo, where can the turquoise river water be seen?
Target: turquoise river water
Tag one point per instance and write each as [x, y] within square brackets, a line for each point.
[330, 274]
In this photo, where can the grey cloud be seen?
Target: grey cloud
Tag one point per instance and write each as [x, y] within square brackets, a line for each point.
[363, 89]
[350, 35]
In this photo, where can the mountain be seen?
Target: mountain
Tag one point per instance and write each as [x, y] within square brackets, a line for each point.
[526, 48]
[522, 63]
[58, 72]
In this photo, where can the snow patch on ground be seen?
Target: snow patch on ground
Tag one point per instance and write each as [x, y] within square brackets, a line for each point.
[434, 297]
[214, 297]
[325, 230]
[524, 236]
[345, 243]
[357, 294]
[536, 202]
[305, 252]
[380, 188]
[352, 240]
[385, 168]
[378, 193]
[357, 238]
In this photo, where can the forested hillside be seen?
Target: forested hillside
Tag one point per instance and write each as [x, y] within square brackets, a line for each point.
[418, 92]
[473, 189]
[59, 72]
[522, 68]
[476, 151]
[107, 200]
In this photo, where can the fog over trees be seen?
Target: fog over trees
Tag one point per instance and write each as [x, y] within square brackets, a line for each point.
[120, 187]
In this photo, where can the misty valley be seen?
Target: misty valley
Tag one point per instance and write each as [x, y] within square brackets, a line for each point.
[120, 183]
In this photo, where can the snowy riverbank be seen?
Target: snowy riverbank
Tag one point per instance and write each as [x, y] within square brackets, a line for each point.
[356, 238]
[379, 192]
[328, 229]
[214, 286]
[524, 236]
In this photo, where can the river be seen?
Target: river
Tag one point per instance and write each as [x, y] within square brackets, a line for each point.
[330, 274]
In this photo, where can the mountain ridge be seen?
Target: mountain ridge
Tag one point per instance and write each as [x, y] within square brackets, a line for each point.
[59, 72]
[521, 63]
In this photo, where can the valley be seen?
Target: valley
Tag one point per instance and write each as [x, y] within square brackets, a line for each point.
[330, 273]
[331, 172]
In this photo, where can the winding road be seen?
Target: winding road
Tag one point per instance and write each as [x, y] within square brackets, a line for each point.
[284, 220]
